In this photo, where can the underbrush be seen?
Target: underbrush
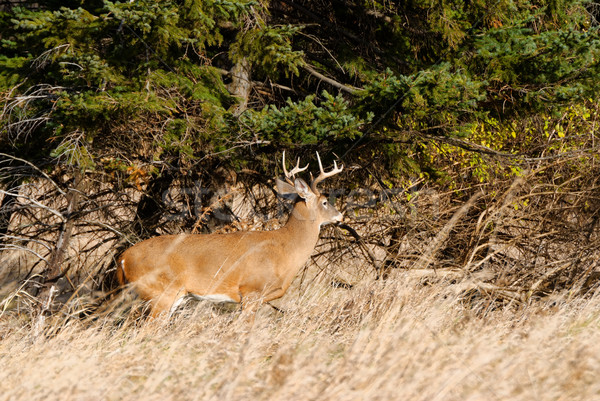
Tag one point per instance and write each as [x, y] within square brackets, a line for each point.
[393, 339]
[476, 280]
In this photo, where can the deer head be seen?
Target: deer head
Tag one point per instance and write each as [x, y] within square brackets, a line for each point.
[317, 205]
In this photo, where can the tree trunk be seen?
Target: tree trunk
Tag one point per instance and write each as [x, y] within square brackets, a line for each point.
[241, 84]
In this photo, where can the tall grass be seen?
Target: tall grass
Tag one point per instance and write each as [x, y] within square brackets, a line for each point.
[397, 339]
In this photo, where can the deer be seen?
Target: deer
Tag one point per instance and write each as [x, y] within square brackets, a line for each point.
[245, 267]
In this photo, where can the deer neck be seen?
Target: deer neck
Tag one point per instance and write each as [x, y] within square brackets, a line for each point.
[303, 223]
[301, 234]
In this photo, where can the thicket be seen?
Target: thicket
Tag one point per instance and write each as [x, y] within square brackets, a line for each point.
[468, 130]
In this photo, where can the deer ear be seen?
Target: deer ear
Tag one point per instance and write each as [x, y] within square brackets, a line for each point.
[285, 189]
[303, 189]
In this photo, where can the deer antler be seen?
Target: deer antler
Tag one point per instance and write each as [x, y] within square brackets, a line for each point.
[324, 175]
[290, 176]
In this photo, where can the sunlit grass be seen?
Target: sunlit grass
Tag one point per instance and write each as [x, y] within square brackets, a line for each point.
[385, 340]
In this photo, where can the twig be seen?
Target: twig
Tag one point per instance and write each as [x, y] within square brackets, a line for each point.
[33, 166]
[38, 204]
[362, 244]
[474, 147]
[330, 81]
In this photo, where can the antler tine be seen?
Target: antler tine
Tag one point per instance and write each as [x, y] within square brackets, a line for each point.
[323, 174]
[290, 175]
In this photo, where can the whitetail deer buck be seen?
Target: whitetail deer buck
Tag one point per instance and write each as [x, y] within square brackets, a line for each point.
[245, 267]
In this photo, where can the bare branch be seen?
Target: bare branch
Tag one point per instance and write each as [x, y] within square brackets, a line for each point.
[35, 202]
[33, 166]
[330, 81]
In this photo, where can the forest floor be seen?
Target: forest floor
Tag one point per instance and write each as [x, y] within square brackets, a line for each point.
[385, 340]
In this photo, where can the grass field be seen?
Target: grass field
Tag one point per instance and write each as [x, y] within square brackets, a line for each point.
[392, 340]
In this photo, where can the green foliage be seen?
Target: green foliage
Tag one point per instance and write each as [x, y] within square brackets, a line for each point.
[539, 69]
[74, 153]
[176, 139]
[88, 69]
[103, 66]
[570, 134]
[269, 48]
[441, 96]
[168, 25]
[306, 122]
[195, 83]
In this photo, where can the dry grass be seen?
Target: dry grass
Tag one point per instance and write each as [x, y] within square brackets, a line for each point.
[486, 292]
[396, 339]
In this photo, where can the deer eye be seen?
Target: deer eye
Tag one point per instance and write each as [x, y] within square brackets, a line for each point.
[324, 203]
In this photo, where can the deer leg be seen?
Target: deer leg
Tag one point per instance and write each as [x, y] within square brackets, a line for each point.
[167, 302]
[250, 305]
[273, 294]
